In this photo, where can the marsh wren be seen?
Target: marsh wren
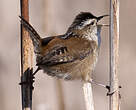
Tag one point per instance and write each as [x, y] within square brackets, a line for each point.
[72, 55]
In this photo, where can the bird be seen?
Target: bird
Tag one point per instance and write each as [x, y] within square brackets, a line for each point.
[72, 55]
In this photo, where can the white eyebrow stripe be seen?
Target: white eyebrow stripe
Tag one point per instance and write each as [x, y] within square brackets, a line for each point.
[88, 22]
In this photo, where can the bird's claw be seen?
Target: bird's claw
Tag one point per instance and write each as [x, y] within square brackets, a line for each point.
[111, 92]
[29, 80]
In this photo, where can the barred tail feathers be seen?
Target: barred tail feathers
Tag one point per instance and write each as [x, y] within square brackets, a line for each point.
[36, 39]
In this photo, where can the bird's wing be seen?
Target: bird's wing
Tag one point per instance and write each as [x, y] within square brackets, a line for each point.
[59, 51]
[58, 55]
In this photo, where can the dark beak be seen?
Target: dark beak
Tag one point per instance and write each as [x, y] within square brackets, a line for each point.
[100, 17]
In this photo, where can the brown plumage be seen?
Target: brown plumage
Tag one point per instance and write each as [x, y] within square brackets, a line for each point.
[72, 55]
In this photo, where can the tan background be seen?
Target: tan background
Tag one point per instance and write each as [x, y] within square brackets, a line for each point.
[60, 14]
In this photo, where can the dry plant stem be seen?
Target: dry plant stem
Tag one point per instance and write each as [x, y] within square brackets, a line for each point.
[46, 28]
[26, 60]
[114, 45]
[60, 95]
[46, 16]
[88, 95]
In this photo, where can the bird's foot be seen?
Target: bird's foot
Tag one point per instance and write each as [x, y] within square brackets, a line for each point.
[27, 79]
[112, 92]
[105, 86]
[96, 83]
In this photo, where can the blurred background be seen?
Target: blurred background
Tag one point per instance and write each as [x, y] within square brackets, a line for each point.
[50, 17]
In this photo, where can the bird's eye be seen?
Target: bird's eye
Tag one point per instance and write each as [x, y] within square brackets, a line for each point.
[92, 23]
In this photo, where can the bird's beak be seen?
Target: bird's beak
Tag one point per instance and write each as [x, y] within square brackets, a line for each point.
[100, 17]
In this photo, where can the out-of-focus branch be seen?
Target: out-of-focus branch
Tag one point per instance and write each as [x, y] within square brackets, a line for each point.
[26, 60]
[60, 95]
[114, 54]
[58, 83]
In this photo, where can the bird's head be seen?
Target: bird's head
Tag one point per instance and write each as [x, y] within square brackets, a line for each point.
[84, 20]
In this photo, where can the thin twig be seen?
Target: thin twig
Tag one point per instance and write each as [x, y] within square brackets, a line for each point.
[114, 45]
[26, 61]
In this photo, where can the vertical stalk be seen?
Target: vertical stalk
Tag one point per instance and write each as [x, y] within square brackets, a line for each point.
[26, 60]
[60, 95]
[114, 54]
[88, 96]
[46, 5]
[46, 27]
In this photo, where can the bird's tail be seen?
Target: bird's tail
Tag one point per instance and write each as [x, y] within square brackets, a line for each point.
[36, 39]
